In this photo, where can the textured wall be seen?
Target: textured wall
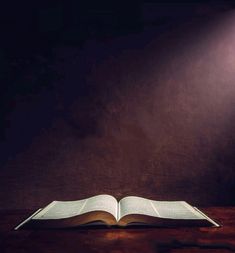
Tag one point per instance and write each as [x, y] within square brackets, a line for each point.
[149, 114]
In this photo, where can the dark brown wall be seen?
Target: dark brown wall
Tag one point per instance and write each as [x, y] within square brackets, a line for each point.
[149, 114]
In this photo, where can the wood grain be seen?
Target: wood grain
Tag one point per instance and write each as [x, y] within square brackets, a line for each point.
[120, 240]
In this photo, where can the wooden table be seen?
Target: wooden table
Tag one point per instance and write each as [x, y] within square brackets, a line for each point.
[120, 240]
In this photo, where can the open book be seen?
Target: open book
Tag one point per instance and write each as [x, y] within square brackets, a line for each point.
[105, 209]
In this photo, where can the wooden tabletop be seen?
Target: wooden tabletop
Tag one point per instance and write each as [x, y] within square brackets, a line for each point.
[163, 240]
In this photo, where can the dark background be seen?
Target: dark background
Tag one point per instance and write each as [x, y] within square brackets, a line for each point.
[123, 98]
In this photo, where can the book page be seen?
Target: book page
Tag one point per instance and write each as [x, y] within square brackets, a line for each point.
[66, 209]
[176, 210]
[161, 209]
[135, 205]
[104, 202]
[61, 210]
